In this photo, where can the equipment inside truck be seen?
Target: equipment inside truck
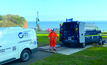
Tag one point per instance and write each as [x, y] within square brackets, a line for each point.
[69, 31]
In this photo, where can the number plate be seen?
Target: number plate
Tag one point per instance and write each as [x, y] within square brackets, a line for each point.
[69, 38]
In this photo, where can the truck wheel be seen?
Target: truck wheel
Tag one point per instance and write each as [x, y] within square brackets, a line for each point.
[103, 42]
[25, 55]
[62, 44]
[100, 42]
[83, 45]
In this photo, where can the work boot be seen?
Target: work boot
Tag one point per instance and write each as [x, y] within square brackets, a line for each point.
[50, 49]
[54, 49]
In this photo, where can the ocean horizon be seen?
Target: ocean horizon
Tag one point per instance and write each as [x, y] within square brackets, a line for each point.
[102, 25]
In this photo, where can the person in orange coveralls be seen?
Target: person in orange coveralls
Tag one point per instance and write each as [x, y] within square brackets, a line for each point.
[52, 38]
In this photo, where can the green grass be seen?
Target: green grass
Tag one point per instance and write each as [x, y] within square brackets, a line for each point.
[104, 37]
[90, 56]
[104, 33]
[43, 40]
[45, 34]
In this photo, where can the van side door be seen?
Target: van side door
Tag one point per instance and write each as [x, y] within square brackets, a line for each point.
[8, 49]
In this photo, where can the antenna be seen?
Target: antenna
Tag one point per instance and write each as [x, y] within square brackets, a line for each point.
[37, 13]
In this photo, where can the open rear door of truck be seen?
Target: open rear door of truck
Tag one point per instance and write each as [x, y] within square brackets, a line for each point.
[61, 32]
[81, 32]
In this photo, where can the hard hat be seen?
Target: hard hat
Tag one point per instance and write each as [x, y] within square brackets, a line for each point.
[52, 29]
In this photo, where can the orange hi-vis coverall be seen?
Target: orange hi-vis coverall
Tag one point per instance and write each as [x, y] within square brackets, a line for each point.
[52, 38]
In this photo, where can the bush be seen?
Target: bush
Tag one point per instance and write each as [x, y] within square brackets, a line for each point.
[11, 20]
[0, 17]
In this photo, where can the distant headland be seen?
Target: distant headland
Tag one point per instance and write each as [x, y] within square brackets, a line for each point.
[11, 20]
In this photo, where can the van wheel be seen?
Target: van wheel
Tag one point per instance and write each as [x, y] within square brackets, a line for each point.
[25, 55]
[103, 42]
[83, 45]
[100, 42]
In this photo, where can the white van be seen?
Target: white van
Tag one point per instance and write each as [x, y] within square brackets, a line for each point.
[17, 43]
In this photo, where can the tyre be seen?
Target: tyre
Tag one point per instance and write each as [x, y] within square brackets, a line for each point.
[100, 42]
[83, 45]
[103, 42]
[62, 44]
[25, 55]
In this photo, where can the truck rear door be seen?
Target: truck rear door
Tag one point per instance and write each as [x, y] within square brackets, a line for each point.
[61, 32]
[81, 33]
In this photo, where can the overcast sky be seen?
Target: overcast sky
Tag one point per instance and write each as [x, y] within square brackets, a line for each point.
[56, 10]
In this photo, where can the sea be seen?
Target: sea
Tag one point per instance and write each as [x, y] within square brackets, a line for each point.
[102, 25]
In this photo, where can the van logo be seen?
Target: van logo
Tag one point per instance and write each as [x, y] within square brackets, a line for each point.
[20, 35]
[34, 42]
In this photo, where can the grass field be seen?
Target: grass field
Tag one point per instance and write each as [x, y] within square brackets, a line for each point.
[91, 56]
[104, 33]
[43, 39]
[96, 55]
[104, 37]
[45, 34]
